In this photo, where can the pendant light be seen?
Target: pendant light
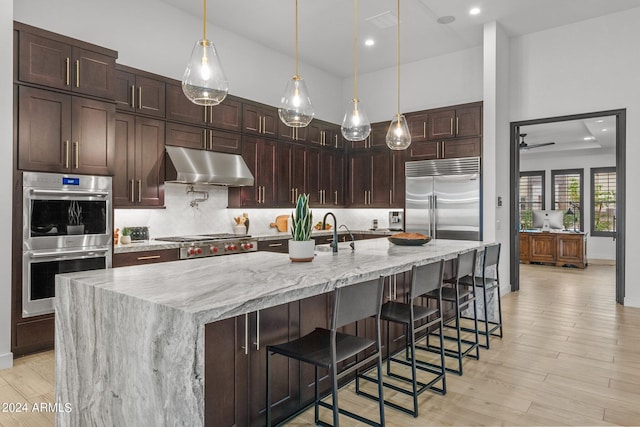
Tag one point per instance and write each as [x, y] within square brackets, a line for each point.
[204, 82]
[355, 125]
[398, 136]
[295, 106]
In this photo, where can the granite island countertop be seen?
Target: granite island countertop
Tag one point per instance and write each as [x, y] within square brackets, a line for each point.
[128, 331]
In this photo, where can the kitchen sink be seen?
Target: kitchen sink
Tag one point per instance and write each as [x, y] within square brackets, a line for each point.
[342, 246]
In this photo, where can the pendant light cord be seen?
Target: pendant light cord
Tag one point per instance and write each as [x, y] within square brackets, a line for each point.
[398, 58]
[355, 50]
[204, 19]
[296, 38]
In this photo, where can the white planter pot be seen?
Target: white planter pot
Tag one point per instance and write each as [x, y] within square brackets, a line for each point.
[301, 251]
[125, 240]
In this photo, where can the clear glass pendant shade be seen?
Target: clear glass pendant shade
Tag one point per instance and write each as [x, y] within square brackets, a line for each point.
[295, 106]
[398, 136]
[204, 81]
[355, 125]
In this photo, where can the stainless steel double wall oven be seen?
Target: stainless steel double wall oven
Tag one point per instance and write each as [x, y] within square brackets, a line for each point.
[67, 223]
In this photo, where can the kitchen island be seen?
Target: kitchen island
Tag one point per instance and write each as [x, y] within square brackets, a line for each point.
[130, 342]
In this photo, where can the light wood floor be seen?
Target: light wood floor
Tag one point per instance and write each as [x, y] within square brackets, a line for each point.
[570, 356]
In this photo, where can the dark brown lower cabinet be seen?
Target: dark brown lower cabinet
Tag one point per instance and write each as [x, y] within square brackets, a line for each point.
[235, 367]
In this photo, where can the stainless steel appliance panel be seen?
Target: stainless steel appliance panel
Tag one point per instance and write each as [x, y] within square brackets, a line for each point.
[443, 198]
[457, 207]
[418, 217]
[39, 269]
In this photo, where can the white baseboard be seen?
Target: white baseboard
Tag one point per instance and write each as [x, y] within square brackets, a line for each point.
[596, 261]
[632, 302]
[6, 360]
[505, 289]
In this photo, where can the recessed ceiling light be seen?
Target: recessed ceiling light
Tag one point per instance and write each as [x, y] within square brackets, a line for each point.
[589, 138]
[604, 130]
[447, 19]
[369, 42]
[474, 11]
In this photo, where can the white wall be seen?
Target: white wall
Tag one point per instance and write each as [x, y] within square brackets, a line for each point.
[583, 67]
[159, 45]
[600, 248]
[455, 78]
[6, 177]
[495, 150]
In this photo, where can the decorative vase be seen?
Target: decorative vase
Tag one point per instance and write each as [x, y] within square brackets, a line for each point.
[301, 250]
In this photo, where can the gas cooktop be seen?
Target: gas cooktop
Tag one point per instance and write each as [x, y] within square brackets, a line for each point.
[204, 245]
[202, 237]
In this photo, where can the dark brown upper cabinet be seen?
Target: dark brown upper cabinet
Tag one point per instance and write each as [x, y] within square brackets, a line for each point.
[61, 62]
[461, 121]
[202, 138]
[376, 139]
[64, 133]
[258, 119]
[324, 134]
[139, 92]
[227, 115]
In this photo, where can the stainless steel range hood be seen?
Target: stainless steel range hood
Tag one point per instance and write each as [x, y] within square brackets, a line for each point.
[191, 166]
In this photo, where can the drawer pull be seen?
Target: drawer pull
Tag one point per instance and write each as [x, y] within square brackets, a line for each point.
[275, 245]
[143, 258]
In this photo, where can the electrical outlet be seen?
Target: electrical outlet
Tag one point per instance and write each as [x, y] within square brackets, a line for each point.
[499, 201]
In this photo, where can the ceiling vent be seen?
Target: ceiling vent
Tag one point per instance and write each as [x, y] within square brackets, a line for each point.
[384, 20]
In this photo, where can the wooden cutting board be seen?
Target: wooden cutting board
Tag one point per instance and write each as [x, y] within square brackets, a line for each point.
[281, 223]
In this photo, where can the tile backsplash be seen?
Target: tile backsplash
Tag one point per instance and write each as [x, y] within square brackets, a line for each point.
[212, 215]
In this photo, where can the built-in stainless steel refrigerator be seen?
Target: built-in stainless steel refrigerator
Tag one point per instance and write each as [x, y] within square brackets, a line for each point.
[443, 198]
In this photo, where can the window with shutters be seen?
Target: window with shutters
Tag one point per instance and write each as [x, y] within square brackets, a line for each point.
[567, 195]
[603, 202]
[531, 196]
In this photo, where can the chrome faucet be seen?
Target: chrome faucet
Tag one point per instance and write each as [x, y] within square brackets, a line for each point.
[333, 244]
[353, 240]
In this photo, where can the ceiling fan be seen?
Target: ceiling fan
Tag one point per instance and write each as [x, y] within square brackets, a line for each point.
[525, 146]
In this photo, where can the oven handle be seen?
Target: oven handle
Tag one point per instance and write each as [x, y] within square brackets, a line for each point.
[71, 193]
[64, 253]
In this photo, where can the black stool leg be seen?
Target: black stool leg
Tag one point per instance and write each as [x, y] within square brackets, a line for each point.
[499, 309]
[414, 381]
[459, 335]
[334, 394]
[475, 322]
[316, 408]
[486, 316]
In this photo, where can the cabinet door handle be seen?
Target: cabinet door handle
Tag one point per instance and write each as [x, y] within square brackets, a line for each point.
[133, 96]
[211, 114]
[76, 146]
[365, 197]
[205, 113]
[275, 245]
[395, 287]
[139, 190]
[68, 71]
[457, 122]
[77, 73]
[211, 140]
[263, 193]
[296, 198]
[336, 138]
[390, 197]
[442, 149]
[204, 139]
[257, 343]
[245, 347]
[140, 98]
[264, 125]
[143, 258]
[131, 192]
[336, 195]
[451, 127]
[66, 154]
[424, 129]
[259, 124]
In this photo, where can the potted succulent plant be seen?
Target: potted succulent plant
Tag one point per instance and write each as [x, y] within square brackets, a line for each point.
[301, 246]
[126, 236]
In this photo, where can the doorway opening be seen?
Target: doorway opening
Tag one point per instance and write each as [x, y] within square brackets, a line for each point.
[554, 148]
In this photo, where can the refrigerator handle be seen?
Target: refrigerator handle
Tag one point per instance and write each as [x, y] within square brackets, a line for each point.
[435, 216]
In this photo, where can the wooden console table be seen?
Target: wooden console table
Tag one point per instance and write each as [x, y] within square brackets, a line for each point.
[556, 248]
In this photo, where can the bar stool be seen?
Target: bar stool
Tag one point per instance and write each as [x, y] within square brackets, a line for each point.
[462, 295]
[425, 278]
[325, 348]
[488, 285]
